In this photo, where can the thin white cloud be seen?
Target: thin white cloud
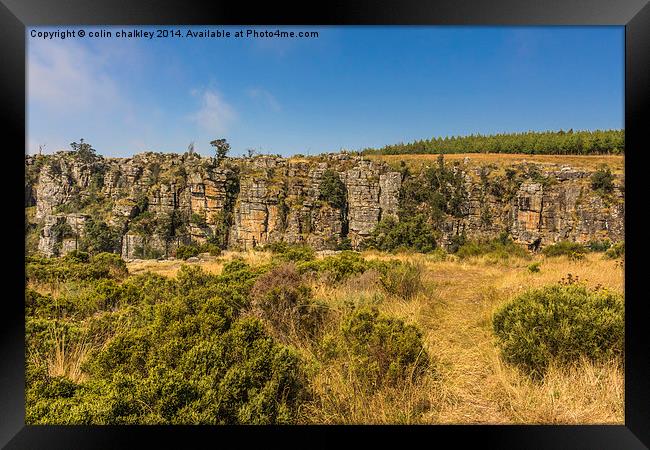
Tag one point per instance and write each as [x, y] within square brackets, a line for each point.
[265, 97]
[215, 115]
[67, 77]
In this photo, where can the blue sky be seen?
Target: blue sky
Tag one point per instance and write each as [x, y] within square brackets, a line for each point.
[350, 88]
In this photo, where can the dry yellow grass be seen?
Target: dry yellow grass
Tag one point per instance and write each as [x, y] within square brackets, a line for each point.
[66, 359]
[615, 162]
[470, 383]
[209, 263]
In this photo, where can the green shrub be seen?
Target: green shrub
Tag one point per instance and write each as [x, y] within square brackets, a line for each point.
[457, 241]
[186, 251]
[147, 289]
[100, 295]
[102, 265]
[615, 251]
[560, 324]
[77, 256]
[413, 233]
[602, 181]
[500, 248]
[184, 362]
[345, 244]
[403, 280]
[99, 237]
[291, 252]
[565, 248]
[338, 267]
[110, 264]
[332, 190]
[42, 305]
[211, 248]
[274, 247]
[297, 253]
[534, 267]
[599, 246]
[198, 220]
[382, 350]
[127, 352]
[282, 299]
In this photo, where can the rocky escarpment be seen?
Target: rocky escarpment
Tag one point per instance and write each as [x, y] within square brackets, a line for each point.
[155, 202]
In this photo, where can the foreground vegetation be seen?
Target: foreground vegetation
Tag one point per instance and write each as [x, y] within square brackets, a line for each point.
[288, 336]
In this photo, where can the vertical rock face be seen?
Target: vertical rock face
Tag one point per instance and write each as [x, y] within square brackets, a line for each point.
[60, 234]
[248, 202]
[389, 186]
[253, 210]
[362, 183]
[527, 212]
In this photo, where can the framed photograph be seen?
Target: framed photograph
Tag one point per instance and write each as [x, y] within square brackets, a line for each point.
[382, 222]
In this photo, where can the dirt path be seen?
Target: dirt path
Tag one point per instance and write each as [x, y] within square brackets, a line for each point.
[462, 343]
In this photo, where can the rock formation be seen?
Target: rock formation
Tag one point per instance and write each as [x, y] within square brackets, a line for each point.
[156, 202]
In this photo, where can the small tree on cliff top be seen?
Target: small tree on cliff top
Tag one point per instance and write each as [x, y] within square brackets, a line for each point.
[221, 147]
[84, 150]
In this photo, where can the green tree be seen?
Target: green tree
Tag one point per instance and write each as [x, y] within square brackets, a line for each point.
[98, 237]
[413, 233]
[221, 148]
[332, 189]
[83, 150]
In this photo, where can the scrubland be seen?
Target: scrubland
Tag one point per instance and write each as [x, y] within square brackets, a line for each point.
[350, 338]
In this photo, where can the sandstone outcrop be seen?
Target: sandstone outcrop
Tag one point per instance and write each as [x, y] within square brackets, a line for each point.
[247, 202]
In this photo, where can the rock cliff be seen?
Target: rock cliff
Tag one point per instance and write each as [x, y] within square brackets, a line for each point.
[155, 202]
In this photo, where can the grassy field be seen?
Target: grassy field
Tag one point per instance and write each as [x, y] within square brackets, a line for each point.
[589, 162]
[472, 384]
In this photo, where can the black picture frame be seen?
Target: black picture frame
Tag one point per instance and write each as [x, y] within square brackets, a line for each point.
[17, 15]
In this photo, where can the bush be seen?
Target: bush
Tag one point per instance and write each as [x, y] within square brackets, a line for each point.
[211, 248]
[383, 350]
[102, 265]
[150, 288]
[77, 256]
[457, 241]
[345, 244]
[534, 267]
[110, 264]
[38, 304]
[500, 248]
[291, 252]
[282, 299]
[560, 324]
[297, 253]
[414, 233]
[403, 280]
[602, 181]
[184, 362]
[99, 237]
[186, 251]
[565, 248]
[616, 251]
[198, 220]
[338, 267]
[332, 190]
[599, 246]
[239, 376]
